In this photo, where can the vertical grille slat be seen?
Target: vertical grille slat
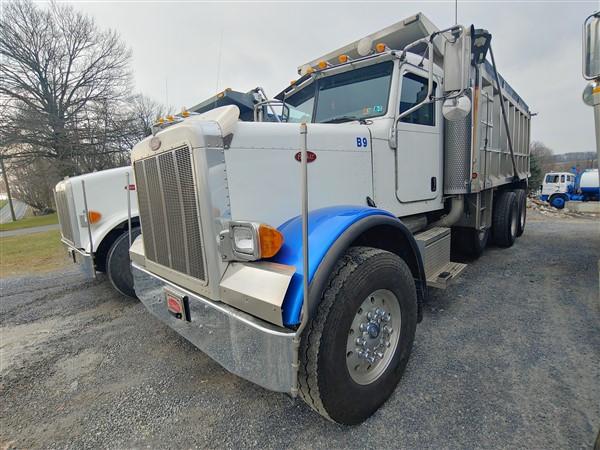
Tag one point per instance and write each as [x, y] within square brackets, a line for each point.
[144, 208]
[64, 218]
[170, 188]
[158, 217]
[190, 211]
[169, 212]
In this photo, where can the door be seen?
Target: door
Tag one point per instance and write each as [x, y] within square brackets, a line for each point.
[419, 146]
[551, 184]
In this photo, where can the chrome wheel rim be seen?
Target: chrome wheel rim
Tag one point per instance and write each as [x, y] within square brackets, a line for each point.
[373, 336]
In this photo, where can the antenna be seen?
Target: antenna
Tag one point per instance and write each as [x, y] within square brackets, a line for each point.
[455, 12]
[167, 92]
[219, 58]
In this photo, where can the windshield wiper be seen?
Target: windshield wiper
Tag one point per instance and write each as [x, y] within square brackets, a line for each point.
[340, 119]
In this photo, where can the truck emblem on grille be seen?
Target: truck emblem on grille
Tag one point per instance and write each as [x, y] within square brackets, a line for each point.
[155, 143]
[311, 156]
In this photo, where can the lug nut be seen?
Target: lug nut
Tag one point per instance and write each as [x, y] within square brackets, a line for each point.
[388, 329]
[361, 342]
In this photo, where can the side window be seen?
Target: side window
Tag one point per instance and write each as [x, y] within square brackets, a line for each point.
[414, 91]
[562, 178]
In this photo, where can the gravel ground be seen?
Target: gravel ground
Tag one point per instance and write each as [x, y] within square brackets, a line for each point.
[507, 357]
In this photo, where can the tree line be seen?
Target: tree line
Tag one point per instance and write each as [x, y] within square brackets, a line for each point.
[65, 98]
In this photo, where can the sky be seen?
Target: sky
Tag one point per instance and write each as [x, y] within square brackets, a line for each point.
[186, 51]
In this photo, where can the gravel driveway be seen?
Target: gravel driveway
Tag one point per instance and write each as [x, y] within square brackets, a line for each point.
[507, 357]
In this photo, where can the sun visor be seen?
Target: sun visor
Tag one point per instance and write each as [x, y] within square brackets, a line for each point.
[396, 37]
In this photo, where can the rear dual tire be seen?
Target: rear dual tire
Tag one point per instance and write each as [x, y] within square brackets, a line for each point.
[469, 242]
[505, 219]
[333, 379]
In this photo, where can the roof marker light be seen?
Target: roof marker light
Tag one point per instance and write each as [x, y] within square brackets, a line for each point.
[161, 120]
[170, 118]
[343, 59]
[293, 82]
[323, 64]
[380, 47]
[185, 113]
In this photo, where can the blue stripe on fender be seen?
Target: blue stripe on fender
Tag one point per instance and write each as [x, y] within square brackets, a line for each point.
[325, 225]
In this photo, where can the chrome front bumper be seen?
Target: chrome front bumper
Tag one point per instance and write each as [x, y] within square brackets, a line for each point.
[83, 259]
[244, 345]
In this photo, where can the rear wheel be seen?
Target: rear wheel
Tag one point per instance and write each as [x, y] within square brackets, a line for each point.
[469, 241]
[522, 207]
[118, 264]
[505, 219]
[356, 347]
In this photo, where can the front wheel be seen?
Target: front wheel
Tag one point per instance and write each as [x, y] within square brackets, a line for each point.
[356, 347]
[558, 201]
[118, 264]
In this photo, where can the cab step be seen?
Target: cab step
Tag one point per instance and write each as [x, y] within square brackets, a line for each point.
[434, 245]
[446, 275]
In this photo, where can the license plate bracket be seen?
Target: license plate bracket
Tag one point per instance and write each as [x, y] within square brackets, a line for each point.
[177, 305]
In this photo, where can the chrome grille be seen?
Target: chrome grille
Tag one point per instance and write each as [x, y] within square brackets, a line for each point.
[64, 217]
[169, 212]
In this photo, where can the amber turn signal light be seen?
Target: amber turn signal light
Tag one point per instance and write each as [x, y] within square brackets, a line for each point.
[94, 216]
[270, 240]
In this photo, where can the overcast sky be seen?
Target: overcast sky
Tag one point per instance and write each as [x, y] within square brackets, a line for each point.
[199, 48]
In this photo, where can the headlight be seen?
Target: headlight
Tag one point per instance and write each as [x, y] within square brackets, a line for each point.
[249, 241]
[244, 239]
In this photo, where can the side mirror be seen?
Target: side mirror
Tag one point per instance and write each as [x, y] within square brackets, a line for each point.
[591, 47]
[457, 59]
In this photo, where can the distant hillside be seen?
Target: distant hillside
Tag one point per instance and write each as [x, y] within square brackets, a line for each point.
[581, 160]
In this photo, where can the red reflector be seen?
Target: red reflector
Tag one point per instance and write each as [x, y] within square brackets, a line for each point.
[474, 175]
[174, 305]
[131, 187]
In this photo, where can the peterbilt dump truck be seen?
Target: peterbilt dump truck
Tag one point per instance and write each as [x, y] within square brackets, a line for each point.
[298, 254]
[98, 208]
[96, 212]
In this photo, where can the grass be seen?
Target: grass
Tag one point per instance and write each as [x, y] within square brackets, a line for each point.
[36, 252]
[29, 222]
[3, 202]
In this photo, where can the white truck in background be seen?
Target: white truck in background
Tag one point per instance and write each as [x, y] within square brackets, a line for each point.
[96, 212]
[298, 254]
[112, 211]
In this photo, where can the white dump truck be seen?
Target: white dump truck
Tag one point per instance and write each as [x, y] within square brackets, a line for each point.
[96, 212]
[298, 253]
[112, 211]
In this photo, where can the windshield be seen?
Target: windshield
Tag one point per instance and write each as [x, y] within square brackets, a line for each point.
[353, 95]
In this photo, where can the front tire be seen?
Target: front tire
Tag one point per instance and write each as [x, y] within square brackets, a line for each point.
[368, 290]
[558, 201]
[118, 264]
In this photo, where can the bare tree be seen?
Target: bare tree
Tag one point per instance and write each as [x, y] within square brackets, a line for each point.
[56, 66]
[541, 159]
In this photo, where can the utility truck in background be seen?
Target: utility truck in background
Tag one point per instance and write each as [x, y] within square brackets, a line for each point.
[96, 210]
[558, 188]
[297, 252]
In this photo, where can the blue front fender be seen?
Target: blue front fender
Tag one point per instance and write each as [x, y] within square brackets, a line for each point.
[325, 226]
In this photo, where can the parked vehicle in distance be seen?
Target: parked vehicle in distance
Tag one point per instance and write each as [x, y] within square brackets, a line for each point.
[95, 212]
[560, 187]
[298, 254]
